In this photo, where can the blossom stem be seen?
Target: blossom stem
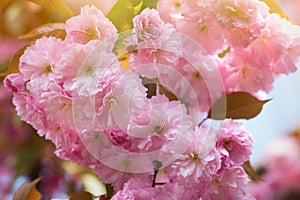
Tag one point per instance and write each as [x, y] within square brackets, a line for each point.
[202, 121]
[157, 165]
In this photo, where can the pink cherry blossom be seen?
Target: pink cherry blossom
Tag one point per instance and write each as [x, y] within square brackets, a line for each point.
[39, 61]
[169, 8]
[233, 14]
[91, 24]
[118, 178]
[177, 191]
[93, 69]
[161, 125]
[136, 189]
[280, 37]
[148, 18]
[76, 153]
[58, 106]
[14, 83]
[154, 42]
[230, 183]
[209, 34]
[199, 162]
[234, 143]
[243, 72]
[125, 98]
[30, 111]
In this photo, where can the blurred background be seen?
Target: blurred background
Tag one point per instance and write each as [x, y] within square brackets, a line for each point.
[25, 156]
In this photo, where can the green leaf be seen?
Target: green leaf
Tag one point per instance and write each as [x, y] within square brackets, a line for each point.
[57, 6]
[149, 4]
[275, 8]
[251, 172]
[28, 191]
[109, 191]
[82, 195]
[123, 12]
[236, 105]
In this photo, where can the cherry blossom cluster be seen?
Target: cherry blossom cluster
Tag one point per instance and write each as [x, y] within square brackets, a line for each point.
[139, 125]
[253, 46]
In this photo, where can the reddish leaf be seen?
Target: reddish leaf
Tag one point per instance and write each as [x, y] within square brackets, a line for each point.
[28, 191]
[4, 4]
[14, 63]
[49, 29]
[82, 195]
[170, 95]
[236, 105]
[251, 172]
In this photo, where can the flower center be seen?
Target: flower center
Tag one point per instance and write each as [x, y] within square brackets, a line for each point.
[89, 70]
[113, 101]
[49, 69]
[177, 4]
[158, 129]
[91, 34]
[227, 145]
[194, 156]
[203, 28]
[245, 71]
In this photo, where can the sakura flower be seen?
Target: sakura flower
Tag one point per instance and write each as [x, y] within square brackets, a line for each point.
[279, 44]
[124, 99]
[244, 72]
[118, 178]
[195, 19]
[241, 14]
[169, 8]
[136, 189]
[58, 106]
[149, 18]
[30, 110]
[91, 24]
[163, 125]
[199, 162]
[209, 34]
[60, 136]
[15, 83]
[197, 11]
[77, 153]
[165, 49]
[230, 183]
[154, 42]
[176, 191]
[234, 143]
[94, 70]
[40, 60]
[119, 137]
